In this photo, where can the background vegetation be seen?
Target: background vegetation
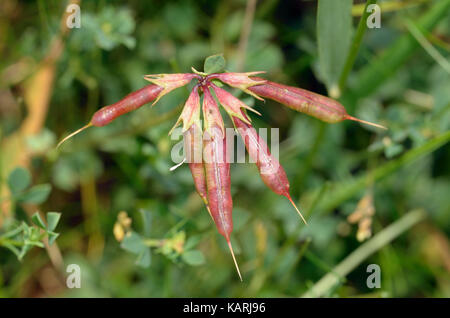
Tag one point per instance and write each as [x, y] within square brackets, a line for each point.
[392, 183]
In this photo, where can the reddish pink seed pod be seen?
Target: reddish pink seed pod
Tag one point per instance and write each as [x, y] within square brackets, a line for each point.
[301, 100]
[129, 103]
[217, 167]
[270, 169]
[304, 101]
[218, 181]
[193, 150]
[217, 170]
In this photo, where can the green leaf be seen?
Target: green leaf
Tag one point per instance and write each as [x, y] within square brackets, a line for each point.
[193, 257]
[37, 194]
[214, 64]
[13, 249]
[133, 243]
[34, 243]
[52, 236]
[146, 221]
[24, 250]
[143, 259]
[334, 30]
[19, 180]
[36, 218]
[52, 220]
[14, 232]
[192, 242]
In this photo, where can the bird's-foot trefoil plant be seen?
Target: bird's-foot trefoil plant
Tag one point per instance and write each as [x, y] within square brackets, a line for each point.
[205, 142]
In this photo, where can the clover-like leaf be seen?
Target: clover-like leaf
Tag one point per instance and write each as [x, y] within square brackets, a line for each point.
[214, 64]
[18, 180]
[133, 243]
[52, 236]
[36, 195]
[144, 258]
[52, 220]
[36, 218]
[193, 257]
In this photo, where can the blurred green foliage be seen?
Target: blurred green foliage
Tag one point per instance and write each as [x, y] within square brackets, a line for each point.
[125, 165]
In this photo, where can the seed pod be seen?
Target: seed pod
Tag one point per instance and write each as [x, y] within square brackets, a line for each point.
[217, 170]
[218, 182]
[193, 150]
[270, 169]
[132, 101]
[301, 100]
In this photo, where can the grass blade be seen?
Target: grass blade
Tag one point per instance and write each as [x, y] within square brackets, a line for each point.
[326, 283]
[334, 28]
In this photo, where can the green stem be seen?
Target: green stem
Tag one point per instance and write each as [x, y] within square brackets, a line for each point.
[154, 242]
[4, 241]
[427, 46]
[382, 67]
[344, 191]
[330, 280]
[362, 26]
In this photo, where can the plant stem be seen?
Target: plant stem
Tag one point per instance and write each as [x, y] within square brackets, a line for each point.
[154, 242]
[245, 34]
[354, 48]
[330, 280]
[427, 46]
[344, 191]
[382, 67]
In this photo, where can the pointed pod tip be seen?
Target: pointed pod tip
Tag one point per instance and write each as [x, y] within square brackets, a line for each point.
[253, 94]
[295, 206]
[73, 134]
[234, 258]
[366, 122]
[253, 110]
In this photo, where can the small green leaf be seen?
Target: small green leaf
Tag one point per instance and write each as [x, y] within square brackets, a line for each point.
[14, 232]
[52, 220]
[37, 194]
[23, 251]
[192, 242]
[36, 218]
[52, 236]
[143, 259]
[13, 249]
[18, 180]
[133, 243]
[334, 30]
[193, 257]
[146, 221]
[214, 64]
[34, 243]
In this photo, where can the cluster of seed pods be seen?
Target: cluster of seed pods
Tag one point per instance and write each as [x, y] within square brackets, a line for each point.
[206, 147]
